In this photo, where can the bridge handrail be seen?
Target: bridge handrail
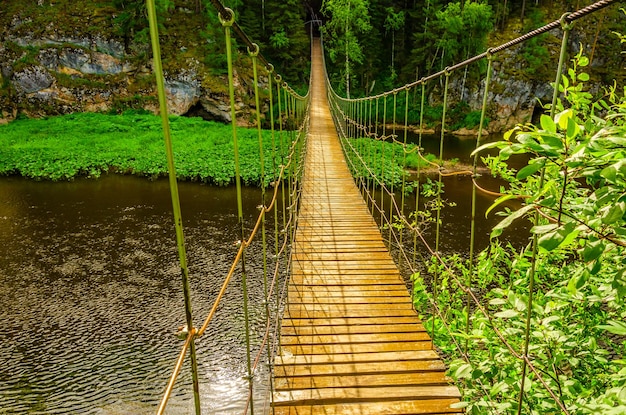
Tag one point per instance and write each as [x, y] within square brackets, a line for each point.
[295, 107]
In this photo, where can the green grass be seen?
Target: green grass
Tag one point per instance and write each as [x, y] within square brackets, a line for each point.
[89, 144]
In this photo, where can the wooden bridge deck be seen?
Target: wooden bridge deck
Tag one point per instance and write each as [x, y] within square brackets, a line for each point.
[350, 341]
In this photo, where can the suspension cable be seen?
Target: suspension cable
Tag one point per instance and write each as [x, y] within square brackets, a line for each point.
[178, 222]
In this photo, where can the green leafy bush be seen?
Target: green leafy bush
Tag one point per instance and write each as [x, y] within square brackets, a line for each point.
[88, 144]
[574, 193]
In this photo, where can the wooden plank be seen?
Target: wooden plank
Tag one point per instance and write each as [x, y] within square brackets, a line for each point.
[343, 299]
[330, 395]
[307, 268]
[319, 349]
[387, 407]
[345, 267]
[300, 312]
[395, 290]
[287, 340]
[364, 380]
[353, 307]
[362, 257]
[365, 368]
[341, 282]
[352, 329]
[341, 321]
[355, 357]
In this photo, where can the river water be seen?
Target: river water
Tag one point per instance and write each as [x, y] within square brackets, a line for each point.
[91, 297]
[90, 291]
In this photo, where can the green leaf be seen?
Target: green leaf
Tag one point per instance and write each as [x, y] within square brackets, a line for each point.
[530, 170]
[593, 250]
[547, 123]
[615, 327]
[459, 405]
[609, 173]
[541, 229]
[565, 83]
[499, 201]
[614, 213]
[583, 77]
[464, 371]
[577, 282]
[497, 230]
[563, 118]
[553, 142]
[583, 61]
[487, 146]
[553, 240]
[506, 314]
[572, 128]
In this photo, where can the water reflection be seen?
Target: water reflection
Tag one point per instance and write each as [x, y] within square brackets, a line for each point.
[91, 297]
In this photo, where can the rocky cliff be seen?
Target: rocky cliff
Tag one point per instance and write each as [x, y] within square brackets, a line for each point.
[520, 87]
[61, 57]
[64, 67]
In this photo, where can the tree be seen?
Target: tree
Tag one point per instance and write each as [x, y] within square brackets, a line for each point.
[463, 32]
[132, 22]
[347, 20]
[287, 39]
[394, 21]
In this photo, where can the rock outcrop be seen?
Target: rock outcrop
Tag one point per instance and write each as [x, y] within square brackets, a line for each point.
[52, 73]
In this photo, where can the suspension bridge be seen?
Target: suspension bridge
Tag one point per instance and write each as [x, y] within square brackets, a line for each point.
[343, 335]
[350, 340]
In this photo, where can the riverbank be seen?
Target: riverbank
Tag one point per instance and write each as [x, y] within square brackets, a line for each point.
[91, 144]
[463, 132]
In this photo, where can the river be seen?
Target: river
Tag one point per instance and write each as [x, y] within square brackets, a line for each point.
[91, 296]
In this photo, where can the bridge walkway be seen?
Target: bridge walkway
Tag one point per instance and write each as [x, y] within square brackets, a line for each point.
[351, 342]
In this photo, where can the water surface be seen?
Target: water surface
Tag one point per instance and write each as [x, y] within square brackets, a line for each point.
[91, 296]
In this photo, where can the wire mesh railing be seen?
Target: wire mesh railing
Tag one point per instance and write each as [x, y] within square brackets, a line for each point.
[376, 149]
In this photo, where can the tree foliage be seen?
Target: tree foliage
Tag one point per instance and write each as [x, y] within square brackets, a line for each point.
[132, 22]
[574, 193]
[348, 21]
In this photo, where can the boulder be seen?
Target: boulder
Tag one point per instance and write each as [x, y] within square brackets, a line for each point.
[182, 95]
[32, 79]
[94, 63]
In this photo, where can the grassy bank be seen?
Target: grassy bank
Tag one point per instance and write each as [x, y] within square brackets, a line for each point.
[88, 144]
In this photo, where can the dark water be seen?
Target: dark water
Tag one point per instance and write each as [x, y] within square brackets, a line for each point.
[90, 296]
[454, 147]
[456, 215]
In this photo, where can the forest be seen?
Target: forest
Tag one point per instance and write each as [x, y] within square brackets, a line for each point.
[391, 43]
